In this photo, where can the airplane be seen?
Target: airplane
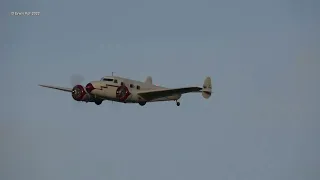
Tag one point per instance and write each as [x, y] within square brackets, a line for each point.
[124, 90]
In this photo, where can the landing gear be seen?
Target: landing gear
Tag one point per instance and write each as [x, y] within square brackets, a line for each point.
[98, 102]
[178, 103]
[142, 103]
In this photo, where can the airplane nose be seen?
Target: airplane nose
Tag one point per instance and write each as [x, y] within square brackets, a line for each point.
[89, 87]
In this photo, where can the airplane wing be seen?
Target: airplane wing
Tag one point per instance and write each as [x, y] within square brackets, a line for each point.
[57, 87]
[158, 93]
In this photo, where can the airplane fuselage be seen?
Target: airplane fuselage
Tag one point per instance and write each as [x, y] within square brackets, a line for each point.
[107, 87]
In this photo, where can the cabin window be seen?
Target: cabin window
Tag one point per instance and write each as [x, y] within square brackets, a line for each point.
[115, 81]
[138, 87]
[131, 85]
[122, 83]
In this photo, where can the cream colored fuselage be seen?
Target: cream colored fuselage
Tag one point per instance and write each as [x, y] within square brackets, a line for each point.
[106, 89]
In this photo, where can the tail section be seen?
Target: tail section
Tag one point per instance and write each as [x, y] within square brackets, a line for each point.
[148, 80]
[207, 88]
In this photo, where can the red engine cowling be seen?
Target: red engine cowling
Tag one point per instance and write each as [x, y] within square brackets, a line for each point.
[78, 93]
[122, 93]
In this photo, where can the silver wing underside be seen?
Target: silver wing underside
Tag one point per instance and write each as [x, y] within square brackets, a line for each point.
[154, 94]
[57, 88]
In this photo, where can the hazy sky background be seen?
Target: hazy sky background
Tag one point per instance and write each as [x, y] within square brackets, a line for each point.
[262, 122]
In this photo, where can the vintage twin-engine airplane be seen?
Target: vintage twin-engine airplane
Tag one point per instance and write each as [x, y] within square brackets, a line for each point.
[119, 89]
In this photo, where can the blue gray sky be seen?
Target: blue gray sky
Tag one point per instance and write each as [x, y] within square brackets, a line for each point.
[262, 122]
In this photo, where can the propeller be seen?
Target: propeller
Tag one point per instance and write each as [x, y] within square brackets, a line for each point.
[115, 106]
[76, 79]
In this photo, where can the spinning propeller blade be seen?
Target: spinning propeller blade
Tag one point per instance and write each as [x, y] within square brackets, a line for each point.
[76, 79]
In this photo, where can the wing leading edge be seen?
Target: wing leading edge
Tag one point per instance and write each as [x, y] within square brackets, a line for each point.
[154, 94]
[57, 88]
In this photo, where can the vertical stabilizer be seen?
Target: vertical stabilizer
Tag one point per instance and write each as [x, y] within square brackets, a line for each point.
[148, 80]
[207, 88]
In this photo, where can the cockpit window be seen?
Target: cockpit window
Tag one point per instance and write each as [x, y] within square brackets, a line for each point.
[115, 81]
[107, 79]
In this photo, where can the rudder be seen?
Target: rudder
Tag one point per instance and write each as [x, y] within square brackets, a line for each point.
[207, 88]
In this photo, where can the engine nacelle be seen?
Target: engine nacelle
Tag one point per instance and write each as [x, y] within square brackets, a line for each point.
[122, 93]
[80, 94]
